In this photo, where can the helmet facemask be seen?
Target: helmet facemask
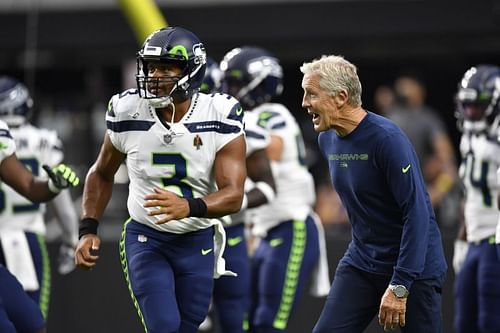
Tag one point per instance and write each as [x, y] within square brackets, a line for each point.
[170, 46]
[478, 100]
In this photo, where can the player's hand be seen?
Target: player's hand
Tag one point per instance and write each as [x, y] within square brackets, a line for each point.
[66, 259]
[392, 312]
[85, 251]
[168, 204]
[460, 250]
[61, 177]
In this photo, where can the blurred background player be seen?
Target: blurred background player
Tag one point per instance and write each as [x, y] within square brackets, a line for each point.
[477, 285]
[185, 155]
[22, 227]
[289, 232]
[232, 294]
[19, 312]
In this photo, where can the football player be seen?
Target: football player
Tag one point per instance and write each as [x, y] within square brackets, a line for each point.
[22, 226]
[477, 285]
[185, 156]
[288, 230]
[19, 312]
[232, 295]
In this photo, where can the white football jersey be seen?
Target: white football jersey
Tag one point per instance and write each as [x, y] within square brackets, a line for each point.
[178, 157]
[294, 184]
[480, 161]
[34, 148]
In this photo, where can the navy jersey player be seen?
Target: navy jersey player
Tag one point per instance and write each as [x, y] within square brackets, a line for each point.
[394, 265]
[19, 312]
[289, 236]
[185, 156]
[22, 228]
[477, 284]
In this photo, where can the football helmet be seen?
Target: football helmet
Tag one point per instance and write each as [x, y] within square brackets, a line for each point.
[211, 81]
[172, 45]
[15, 101]
[252, 75]
[478, 98]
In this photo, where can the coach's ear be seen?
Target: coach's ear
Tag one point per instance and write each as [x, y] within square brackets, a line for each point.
[341, 98]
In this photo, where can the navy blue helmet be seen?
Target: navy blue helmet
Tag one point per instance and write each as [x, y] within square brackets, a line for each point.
[177, 46]
[211, 81]
[15, 101]
[478, 99]
[252, 75]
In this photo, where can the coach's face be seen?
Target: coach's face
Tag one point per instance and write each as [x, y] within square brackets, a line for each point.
[321, 105]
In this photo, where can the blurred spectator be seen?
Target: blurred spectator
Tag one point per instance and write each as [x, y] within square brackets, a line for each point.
[432, 144]
[383, 99]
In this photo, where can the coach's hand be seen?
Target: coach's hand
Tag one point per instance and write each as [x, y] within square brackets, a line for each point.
[85, 251]
[392, 311]
[168, 204]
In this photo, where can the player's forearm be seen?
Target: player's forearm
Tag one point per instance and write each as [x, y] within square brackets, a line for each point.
[96, 194]
[224, 202]
[38, 191]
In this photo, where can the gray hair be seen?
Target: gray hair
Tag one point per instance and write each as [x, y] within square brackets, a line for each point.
[336, 74]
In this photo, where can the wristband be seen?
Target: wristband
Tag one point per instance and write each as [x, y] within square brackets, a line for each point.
[197, 207]
[88, 225]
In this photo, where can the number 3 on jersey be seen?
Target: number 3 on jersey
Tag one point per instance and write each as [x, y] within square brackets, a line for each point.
[179, 175]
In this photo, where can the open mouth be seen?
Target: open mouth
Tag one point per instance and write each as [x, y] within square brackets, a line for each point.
[315, 116]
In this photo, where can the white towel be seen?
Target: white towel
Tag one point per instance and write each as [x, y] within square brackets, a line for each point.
[18, 259]
[219, 247]
[320, 284]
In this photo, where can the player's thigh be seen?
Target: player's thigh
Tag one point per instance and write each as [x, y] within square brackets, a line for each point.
[466, 291]
[352, 303]
[489, 290]
[193, 268]
[22, 311]
[423, 309]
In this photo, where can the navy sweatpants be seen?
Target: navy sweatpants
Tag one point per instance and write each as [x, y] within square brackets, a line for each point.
[355, 296]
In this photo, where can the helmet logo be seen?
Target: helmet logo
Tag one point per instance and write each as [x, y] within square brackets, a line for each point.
[200, 56]
[179, 49]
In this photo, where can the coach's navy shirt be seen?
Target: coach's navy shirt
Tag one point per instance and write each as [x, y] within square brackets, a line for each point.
[377, 174]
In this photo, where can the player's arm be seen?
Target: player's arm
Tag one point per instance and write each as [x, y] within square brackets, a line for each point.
[96, 195]
[230, 174]
[259, 171]
[15, 174]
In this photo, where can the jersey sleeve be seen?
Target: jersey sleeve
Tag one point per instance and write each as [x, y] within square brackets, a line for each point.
[273, 119]
[112, 119]
[257, 138]
[400, 164]
[230, 122]
[7, 144]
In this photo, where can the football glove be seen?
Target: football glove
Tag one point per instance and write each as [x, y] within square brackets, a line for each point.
[61, 177]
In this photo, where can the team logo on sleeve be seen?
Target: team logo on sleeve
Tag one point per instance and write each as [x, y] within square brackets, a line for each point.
[197, 142]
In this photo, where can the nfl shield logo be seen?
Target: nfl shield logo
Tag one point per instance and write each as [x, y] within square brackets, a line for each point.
[167, 138]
